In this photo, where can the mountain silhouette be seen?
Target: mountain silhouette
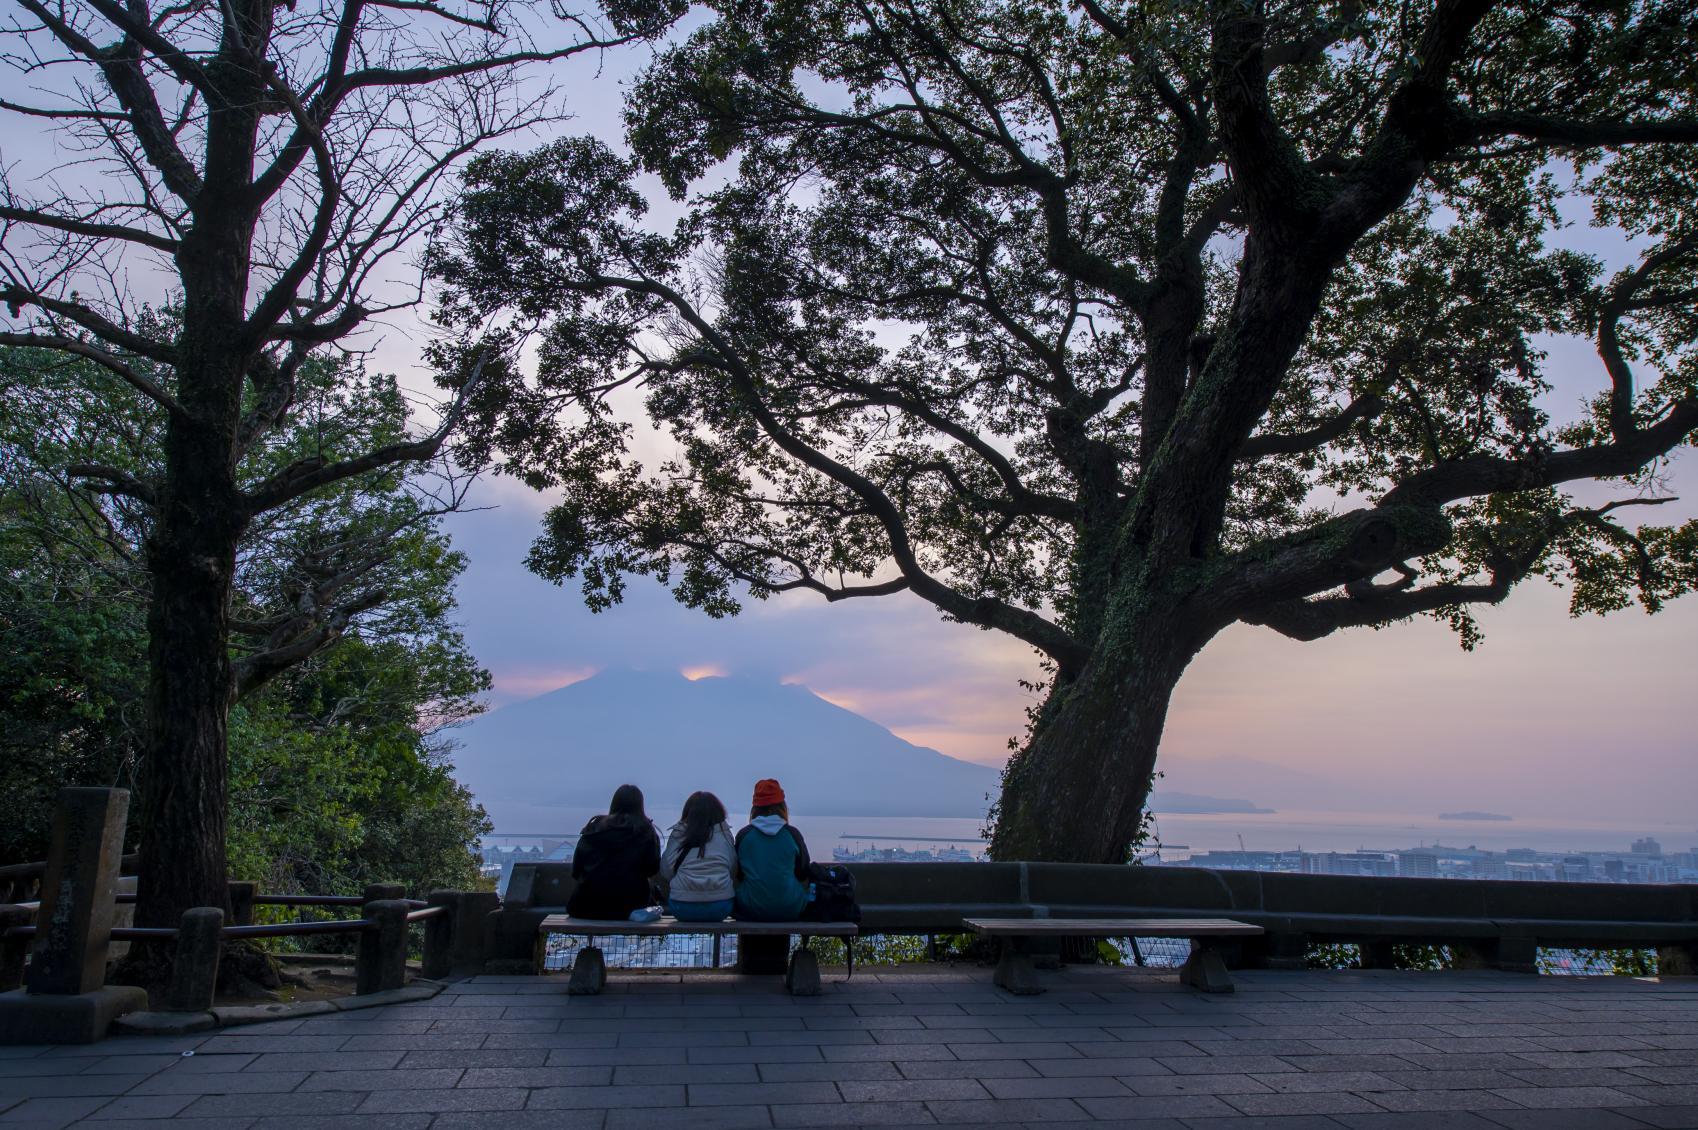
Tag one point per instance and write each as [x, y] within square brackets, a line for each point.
[670, 736]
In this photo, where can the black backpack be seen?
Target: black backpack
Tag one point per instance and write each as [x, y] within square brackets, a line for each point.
[832, 894]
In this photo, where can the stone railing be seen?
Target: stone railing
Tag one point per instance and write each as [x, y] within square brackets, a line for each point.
[67, 937]
[1486, 923]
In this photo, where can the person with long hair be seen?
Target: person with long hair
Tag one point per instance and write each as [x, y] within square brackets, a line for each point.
[772, 857]
[699, 862]
[616, 857]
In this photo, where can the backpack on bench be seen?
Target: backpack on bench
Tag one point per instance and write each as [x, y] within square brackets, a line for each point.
[831, 891]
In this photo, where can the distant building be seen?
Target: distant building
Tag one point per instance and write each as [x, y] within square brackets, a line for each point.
[1418, 864]
[1647, 846]
[1370, 863]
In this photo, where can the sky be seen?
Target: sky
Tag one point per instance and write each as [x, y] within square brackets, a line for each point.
[1555, 717]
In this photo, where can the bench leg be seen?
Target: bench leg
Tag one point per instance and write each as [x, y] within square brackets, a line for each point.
[1205, 971]
[803, 976]
[1015, 972]
[589, 973]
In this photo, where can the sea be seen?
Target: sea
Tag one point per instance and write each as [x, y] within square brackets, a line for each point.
[1181, 834]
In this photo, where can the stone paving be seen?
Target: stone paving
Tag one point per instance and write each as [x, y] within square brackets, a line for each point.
[917, 1046]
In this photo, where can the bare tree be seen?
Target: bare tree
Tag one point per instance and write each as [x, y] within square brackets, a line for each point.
[254, 166]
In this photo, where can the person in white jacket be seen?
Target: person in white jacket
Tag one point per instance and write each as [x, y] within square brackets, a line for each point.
[700, 862]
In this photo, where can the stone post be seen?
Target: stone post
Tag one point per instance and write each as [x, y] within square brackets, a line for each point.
[439, 935]
[66, 999]
[1677, 960]
[12, 950]
[380, 892]
[78, 891]
[382, 961]
[473, 931]
[194, 969]
[242, 895]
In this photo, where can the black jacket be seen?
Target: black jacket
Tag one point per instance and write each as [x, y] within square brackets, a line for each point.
[613, 864]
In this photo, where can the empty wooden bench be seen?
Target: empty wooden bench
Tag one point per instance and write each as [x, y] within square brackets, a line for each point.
[589, 970]
[1203, 970]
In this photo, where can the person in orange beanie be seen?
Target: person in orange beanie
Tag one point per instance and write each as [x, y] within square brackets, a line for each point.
[772, 860]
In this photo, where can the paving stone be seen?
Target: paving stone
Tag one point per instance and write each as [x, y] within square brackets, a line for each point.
[1412, 1101]
[97, 1123]
[921, 1090]
[1262, 1122]
[1062, 1068]
[887, 1114]
[1302, 1103]
[1678, 1094]
[688, 1073]
[1157, 1106]
[347, 1122]
[1224, 1064]
[578, 1076]
[1585, 1119]
[52, 1111]
[143, 1106]
[610, 1097]
[67, 1086]
[348, 1060]
[1294, 1082]
[1454, 1120]
[749, 1094]
[996, 1112]
[969, 1069]
[515, 1120]
[1667, 1117]
[839, 1072]
[1552, 1098]
[1222, 1084]
[239, 1042]
[690, 1118]
[475, 1057]
[1067, 1088]
[236, 1106]
[395, 1079]
[806, 1053]
[107, 1065]
[618, 1057]
[1581, 1059]
[440, 1099]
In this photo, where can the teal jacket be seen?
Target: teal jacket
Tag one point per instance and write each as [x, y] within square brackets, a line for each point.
[772, 866]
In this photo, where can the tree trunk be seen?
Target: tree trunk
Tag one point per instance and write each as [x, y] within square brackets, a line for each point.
[192, 560]
[1076, 793]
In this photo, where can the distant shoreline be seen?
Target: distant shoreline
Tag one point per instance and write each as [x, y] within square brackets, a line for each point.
[1474, 816]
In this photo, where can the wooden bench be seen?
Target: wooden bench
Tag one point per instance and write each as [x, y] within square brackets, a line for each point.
[1203, 970]
[589, 970]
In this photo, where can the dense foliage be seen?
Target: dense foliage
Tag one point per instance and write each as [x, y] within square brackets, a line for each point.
[1110, 325]
[338, 764]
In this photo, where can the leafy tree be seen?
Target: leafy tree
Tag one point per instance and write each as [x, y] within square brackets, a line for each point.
[1109, 326]
[343, 751]
[268, 162]
[338, 765]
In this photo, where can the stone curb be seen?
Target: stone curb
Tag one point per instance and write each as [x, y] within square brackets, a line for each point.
[229, 1016]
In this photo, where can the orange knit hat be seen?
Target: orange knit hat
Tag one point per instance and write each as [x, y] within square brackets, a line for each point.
[768, 791]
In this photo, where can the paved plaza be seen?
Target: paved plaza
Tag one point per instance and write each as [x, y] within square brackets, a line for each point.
[915, 1046]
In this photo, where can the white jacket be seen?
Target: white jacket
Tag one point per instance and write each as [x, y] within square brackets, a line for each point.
[701, 875]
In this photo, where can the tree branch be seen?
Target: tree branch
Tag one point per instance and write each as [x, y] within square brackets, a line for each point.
[73, 226]
[1295, 443]
[309, 474]
[109, 361]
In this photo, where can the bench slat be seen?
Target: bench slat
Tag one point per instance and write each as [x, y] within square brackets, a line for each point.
[602, 928]
[1114, 927]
